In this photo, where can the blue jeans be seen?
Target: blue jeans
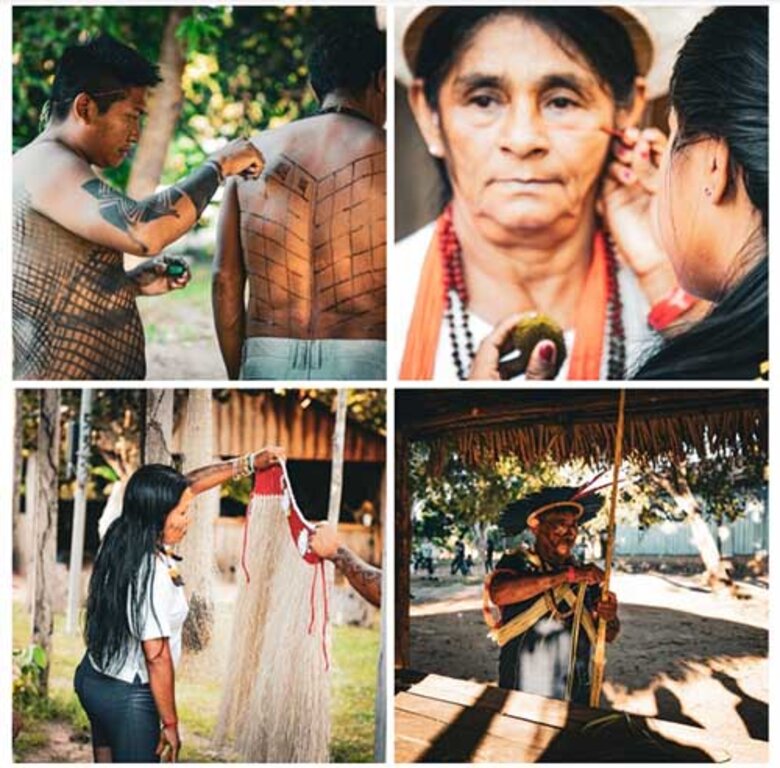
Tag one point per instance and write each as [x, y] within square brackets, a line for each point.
[123, 716]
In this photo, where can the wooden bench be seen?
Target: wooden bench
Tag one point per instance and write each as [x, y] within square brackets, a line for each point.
[442, 719]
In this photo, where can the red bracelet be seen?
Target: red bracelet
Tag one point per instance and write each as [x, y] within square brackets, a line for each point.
[169, 723]
[664, 312]
[571, 574]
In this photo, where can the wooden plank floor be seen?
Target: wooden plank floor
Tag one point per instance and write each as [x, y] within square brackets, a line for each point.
[441, 719]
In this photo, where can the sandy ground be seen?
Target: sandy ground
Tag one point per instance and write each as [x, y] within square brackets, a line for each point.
[684, 654]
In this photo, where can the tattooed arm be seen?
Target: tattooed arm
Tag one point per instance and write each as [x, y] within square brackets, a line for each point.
[68, 192]
[364, 578]
[208, 477]
[228, 283]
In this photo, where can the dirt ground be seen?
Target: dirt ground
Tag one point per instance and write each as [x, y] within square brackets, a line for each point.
[62, 746]
[684, 653]
[181, 342]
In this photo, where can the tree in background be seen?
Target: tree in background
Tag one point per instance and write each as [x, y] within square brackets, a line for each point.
[227, 71]
[715, 489]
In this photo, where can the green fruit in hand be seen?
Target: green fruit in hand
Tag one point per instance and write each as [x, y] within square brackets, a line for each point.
[533, 329]
[175, 269]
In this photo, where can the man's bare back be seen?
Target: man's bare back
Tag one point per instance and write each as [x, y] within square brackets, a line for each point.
[311, 231]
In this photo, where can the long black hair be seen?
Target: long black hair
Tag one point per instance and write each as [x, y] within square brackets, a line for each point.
[588, 32]
[123, 575]
[719, 89]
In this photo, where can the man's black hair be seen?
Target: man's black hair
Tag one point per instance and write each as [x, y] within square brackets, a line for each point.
[103, 68]
[346, 57]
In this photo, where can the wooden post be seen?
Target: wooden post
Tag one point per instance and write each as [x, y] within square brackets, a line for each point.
[337, 458]
[158, 427]
[79, 514]
[45, 526]
[403, 547]
[600, 652]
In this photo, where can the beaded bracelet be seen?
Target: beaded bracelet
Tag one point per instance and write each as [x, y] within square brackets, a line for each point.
[248, 468]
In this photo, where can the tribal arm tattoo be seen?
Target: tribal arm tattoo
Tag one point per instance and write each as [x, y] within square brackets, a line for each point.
[129, 215]
[208, 477]
[364, 578]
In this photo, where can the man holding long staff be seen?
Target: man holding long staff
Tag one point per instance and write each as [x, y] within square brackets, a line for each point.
[550, 605]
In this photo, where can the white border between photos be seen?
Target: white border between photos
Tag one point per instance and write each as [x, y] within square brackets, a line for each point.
[7, 387]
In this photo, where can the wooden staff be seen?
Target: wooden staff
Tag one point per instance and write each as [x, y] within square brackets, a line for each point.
[575, 638]
[600, 653]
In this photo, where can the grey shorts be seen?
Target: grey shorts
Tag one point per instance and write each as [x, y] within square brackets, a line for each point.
[321, 359]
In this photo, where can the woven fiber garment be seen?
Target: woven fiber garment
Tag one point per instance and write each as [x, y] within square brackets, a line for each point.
[276, 700]
[74, 307]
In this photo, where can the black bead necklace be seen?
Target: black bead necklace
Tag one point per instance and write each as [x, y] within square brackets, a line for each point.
[454, 283]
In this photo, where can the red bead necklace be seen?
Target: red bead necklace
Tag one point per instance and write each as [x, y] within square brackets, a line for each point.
[455, 282]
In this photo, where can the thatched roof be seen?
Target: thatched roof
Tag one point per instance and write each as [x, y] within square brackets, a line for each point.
[561, 425]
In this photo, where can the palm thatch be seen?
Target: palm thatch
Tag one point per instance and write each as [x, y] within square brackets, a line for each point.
[558, 425]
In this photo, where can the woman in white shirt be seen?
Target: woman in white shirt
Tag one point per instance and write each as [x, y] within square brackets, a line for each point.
[136, 609]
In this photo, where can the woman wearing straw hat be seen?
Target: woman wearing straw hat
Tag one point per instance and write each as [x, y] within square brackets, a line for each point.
[528, 112]
[544, 630]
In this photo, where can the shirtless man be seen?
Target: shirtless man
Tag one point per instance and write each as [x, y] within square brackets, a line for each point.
[74, 305]
[309, 235]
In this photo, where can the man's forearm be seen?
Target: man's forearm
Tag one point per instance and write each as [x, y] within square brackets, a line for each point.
[506, 589]
[229, 320]
[160, 219]
[364, 578]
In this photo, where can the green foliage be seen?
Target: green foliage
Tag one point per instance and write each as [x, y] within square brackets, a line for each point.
[366, 406]
[464, 496]
[245, 66]
[30, 665]
[723, 487]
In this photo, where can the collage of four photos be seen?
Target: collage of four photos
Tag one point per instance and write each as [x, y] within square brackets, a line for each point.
[390, 383]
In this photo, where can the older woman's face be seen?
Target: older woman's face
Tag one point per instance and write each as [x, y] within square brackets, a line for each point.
[522, 126]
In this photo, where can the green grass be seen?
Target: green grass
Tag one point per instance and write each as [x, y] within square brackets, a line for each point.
[198, 690]
[183, 315]
[355, 654]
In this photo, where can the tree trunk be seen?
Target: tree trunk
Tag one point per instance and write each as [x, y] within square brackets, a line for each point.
[480, 534]
[158, 427]
[380, 706]
[198, 567]
[16, 548]
[28, 532]
[79, 514]
[403, 547]
[701, 536]
[163, 112]
[45, 526]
